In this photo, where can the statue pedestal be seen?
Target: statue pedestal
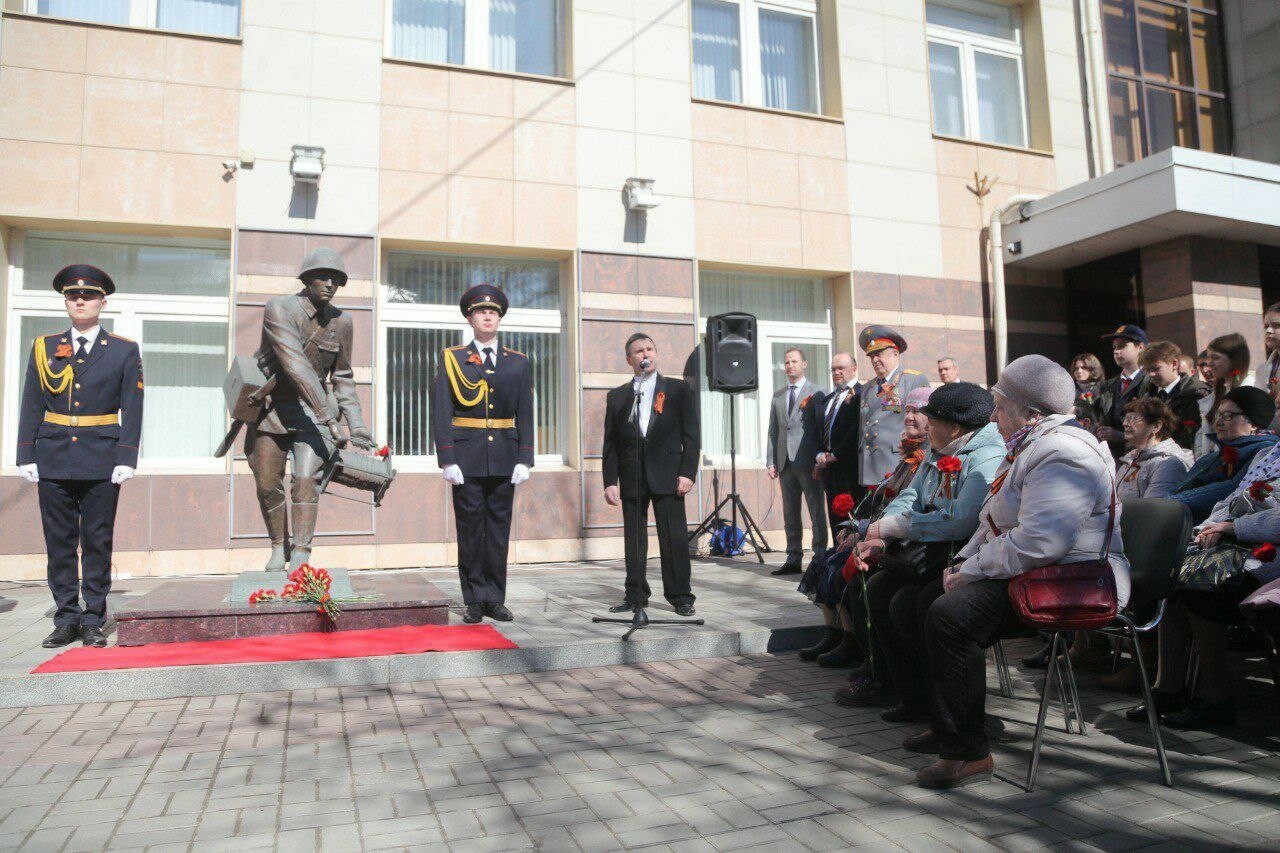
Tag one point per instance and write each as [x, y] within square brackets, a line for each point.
[246, 584]
[217, 609]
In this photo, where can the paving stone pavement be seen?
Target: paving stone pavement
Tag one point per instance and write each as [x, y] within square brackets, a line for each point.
[707, 754]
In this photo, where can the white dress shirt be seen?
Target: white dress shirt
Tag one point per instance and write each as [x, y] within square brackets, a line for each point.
[644, 386]
[91, 335]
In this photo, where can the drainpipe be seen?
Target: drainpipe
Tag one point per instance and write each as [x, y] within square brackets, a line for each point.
[995, 258]
[1096, 86]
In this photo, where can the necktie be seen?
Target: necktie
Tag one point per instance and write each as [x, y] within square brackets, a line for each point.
[1124, 385]
[1162, 394]
[80, 350]
[488, 357]
[831, 416]
[791, 401]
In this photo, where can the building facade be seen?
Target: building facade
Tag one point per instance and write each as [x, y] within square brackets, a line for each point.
[822, 164]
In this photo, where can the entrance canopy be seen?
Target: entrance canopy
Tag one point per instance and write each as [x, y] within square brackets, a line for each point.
[1175, 193]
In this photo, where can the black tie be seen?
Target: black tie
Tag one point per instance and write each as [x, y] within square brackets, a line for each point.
[791, 401]
[83, 342]
[1162, 394]
[488, 357]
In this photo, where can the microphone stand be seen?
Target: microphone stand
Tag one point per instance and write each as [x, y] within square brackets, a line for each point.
[639, 619]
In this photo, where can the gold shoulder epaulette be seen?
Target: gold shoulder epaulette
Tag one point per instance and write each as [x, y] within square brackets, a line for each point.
[514, 352]
[459, 346]
[121, 338]
[912, 372]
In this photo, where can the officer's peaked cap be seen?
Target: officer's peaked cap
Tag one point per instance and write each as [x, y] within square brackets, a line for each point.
[875, 338]
[483, 296]
[84, 277]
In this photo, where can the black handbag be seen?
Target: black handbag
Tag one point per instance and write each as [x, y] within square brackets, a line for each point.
[915, 562]
[1218, 568]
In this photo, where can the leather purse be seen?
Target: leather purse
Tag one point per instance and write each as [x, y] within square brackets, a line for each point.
[1218, 568]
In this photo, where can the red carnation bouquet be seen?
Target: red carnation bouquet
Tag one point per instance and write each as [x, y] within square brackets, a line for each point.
[307, 585]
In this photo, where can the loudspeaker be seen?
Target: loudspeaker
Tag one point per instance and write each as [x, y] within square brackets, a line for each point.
[731, 352]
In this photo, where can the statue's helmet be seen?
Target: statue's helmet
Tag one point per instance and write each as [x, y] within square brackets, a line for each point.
[326, 259]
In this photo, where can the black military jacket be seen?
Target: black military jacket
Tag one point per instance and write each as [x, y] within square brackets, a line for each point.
[108, 382]
[483, 450]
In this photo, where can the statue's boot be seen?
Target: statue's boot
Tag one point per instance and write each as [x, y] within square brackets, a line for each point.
[277, 520]
[304, 527]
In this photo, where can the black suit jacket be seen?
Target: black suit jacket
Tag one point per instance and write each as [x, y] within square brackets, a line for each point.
[669, 451]
[479, 451]
[109, 381]
[841, 439]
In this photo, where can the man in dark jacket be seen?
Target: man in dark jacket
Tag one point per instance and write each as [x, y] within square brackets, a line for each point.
[1127, 345]
[650, 455]
[838, 421]
[1180, 393]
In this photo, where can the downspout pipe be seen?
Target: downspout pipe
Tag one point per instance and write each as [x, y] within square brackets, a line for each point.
[995, 259]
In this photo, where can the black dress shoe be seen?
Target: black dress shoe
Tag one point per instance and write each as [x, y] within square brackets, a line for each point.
[863, 693]
[787, 569]
[924, 743]
[829, 641]
[685, 609]
[1200, 714]
[900, 713]
[1040, 660]
[1165, 703]
[475, 612]
[93, 636]
[62, 635]
[499, 612]
[845, 654]
[622, 608]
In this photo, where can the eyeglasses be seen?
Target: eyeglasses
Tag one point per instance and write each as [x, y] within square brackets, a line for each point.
[1227, 417]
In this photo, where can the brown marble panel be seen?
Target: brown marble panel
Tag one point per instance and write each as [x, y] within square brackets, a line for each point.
[665, 277]
[966, 298]
[1211, 324]
[1179, 327]
[417, 509]
[1224, 262]
[20, 533]
[876, 290]
[1054, 347]
[923, 295]
[969, 349]
[187, 512]
[1166, 270]
[1040, 304]
[603, 273]
[356, 252]
[602, 344]
[924, 347]
[593, 400]
[598, 512]
[133, 517]
[548, 506]
[248, 329]
[269, 253]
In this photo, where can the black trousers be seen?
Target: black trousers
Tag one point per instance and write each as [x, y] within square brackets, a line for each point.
[83, 513]
[482, 514]
[898, 611]
[673, 547]
[960, 625]
[797, 481]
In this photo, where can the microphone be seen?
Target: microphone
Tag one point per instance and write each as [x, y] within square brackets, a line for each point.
[644, 363]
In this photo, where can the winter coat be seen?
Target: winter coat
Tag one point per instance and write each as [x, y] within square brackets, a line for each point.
[1208, 480]
[1152, 473]
[1256, 516]
[1050, 506]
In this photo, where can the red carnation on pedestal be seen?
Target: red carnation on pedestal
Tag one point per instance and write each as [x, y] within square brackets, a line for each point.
[1266, 552]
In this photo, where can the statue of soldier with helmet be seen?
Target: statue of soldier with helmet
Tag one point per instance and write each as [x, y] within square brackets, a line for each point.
[306, 352]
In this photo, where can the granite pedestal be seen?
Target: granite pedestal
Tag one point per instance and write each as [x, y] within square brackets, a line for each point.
[187, 610]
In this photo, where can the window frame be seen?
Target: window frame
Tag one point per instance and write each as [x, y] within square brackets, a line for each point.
[408, 315]
[126, 312]
[749, 47]
[476, 53]
[145, 15]
[968, 44]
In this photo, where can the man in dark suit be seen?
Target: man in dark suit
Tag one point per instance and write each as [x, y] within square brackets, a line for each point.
[78, 433]
[482, 416]
[791, 452]
[1128, 344]
[836, 464]
[650, 455]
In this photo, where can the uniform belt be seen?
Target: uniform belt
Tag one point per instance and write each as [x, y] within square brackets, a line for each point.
[483, 423]
[81, 420]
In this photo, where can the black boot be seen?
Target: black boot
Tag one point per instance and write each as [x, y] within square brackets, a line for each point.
[1040, 660]
[844, 654]
[829, 641]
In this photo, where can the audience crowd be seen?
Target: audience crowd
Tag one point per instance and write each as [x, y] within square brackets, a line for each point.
[954, 490]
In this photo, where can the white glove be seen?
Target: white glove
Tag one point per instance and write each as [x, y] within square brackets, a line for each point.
[519, 474]
[121, 473]
[29, 473]
[453, 475]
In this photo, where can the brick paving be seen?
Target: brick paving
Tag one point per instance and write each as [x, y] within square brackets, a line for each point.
[705, 754]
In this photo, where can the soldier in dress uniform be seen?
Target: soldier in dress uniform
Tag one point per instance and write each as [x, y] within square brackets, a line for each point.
[306, 346]
[482, 415]
[78, 434]
[882, 402]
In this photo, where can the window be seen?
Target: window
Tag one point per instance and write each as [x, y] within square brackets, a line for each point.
[772, 46]
[1166, 84]
[419, 317]
[975, 71]
[791, 312]
[504, 35]
[208, 17]
[173, 299]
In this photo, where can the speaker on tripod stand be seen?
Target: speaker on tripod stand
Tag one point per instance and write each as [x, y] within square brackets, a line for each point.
[730, 352]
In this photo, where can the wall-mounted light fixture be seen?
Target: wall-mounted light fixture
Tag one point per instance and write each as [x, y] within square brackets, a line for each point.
[307, 163]
[640, 195]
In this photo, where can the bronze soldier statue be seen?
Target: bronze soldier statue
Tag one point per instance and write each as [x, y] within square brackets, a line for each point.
[306, 348]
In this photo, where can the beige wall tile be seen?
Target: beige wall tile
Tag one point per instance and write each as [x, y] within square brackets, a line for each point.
[667, 159]
[413, 205]
[775, 235]
[715, 123]
[39, 178]
[605, 158]
[414, 140]
[722, 230]
[349, 131]
[1037, 173]
[347, 202]
[663, 107]
[539, 101]
[481, 146]
[277, 61]
[607, 100]
[125, 53]
[602, 43]
[824, 185]
[773, 132]
[193, 192]
[545, 152]
[819, 138]
[998, 163]
[415, 86]
[202, 62]
[825, 240]
[957, 207]
[123, 113]
[362, 19]
[663, 52]
[119, 185]
[481, 210]
[719, 171]
[670, 234]
[201, 120]
[48, 45]
[486, 94]
[545, 215]
[961, 254]
[41, 106]
[874, 245]
[957, 159]
[773, 178]
[602, 221]
[284, 14]
[346, 69]
[271, 123]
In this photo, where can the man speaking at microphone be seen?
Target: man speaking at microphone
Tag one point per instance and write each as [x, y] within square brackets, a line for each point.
[650, 455]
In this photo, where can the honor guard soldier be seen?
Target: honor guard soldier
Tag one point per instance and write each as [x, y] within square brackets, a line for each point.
[482, 414]
[882, 402]
[78, 434]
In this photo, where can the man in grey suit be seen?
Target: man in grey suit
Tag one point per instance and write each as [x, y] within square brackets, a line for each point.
[793, 444]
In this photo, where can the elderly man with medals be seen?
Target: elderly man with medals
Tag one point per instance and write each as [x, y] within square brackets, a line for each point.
[78, 433]
[482, 419]
[881, 399]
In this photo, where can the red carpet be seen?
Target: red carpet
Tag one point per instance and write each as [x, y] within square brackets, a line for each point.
[408, 640]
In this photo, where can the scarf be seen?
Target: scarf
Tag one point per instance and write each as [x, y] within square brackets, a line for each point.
[1014, 440]
[911, 452]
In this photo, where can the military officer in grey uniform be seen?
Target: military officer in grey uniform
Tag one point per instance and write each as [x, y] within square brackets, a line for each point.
[882, 402]
[306, 345]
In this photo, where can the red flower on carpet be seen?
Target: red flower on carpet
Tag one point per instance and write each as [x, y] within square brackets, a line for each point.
[842, 504]
[1230, 458]
[1260, 490]
[658, 402]
[383, 452]
[1266, 552]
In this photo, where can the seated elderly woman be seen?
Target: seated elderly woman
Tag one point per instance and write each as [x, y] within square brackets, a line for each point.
[1155, 463]
[919, 534]
[1237, 541]
[1050, 504]
[823, 581]
[1237, 423]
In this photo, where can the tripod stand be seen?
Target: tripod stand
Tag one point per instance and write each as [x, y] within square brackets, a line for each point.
[734, 500]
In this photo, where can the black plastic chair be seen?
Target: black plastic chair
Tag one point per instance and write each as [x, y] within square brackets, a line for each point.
[1155, 533]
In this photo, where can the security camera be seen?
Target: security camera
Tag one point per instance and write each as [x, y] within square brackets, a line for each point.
[231, 165]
